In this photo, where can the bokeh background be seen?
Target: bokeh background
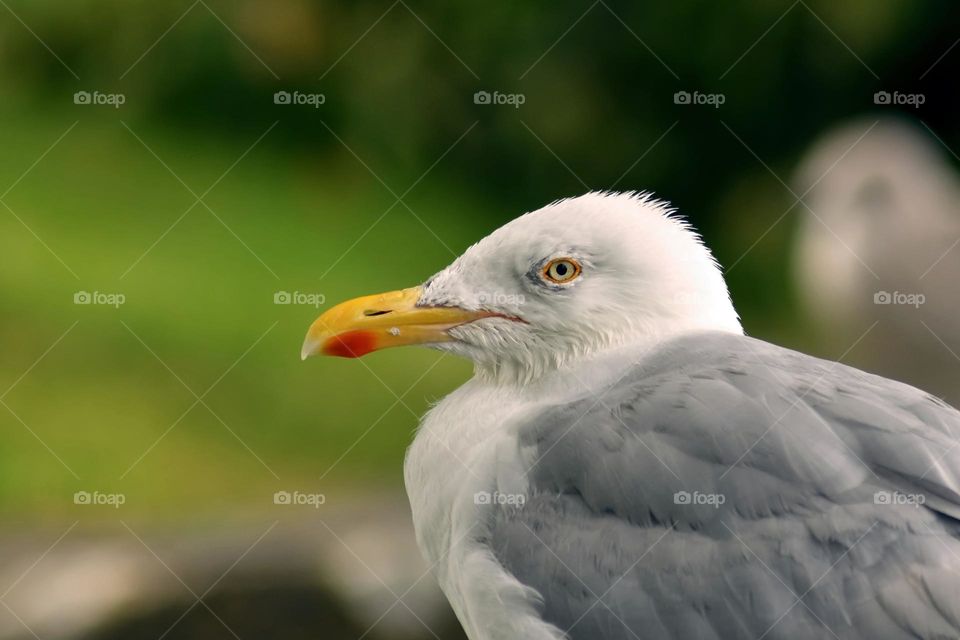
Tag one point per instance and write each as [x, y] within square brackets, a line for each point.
[184, 186]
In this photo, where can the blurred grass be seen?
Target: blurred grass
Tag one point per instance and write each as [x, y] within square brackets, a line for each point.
[199, 300]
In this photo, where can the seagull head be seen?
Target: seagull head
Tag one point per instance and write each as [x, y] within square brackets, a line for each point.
[576, 278]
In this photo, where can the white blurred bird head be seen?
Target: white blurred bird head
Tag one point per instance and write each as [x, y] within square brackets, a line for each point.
[556, 285]
[881, 209]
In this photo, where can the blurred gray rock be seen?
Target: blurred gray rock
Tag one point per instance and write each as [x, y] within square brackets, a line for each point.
[335, 573]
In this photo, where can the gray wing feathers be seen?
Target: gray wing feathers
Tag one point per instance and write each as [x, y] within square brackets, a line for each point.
[840, 498]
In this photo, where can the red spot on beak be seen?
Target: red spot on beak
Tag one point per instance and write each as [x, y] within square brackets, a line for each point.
[350, 344]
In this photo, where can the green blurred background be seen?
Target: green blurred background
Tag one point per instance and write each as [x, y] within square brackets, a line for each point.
[199, 198]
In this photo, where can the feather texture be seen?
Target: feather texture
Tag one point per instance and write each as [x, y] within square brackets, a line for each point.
[729, 488]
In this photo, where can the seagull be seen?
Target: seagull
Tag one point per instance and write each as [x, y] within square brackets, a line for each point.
[878, 248]
[625, 463]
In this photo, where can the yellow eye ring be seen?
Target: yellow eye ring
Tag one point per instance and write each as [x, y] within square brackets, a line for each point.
[561, 270]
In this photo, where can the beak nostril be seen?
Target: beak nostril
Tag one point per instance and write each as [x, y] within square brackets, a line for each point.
[373, 312]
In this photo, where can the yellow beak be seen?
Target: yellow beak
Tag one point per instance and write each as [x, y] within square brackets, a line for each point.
[362, 325]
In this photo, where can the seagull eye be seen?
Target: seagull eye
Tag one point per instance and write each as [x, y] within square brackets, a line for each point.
[561, 270]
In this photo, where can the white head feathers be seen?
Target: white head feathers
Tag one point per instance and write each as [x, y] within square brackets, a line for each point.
[644, 276]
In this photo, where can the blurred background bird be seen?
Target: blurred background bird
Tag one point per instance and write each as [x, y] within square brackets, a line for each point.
[877, 251]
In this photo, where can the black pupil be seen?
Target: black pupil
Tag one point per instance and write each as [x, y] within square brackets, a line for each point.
[561, 269]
